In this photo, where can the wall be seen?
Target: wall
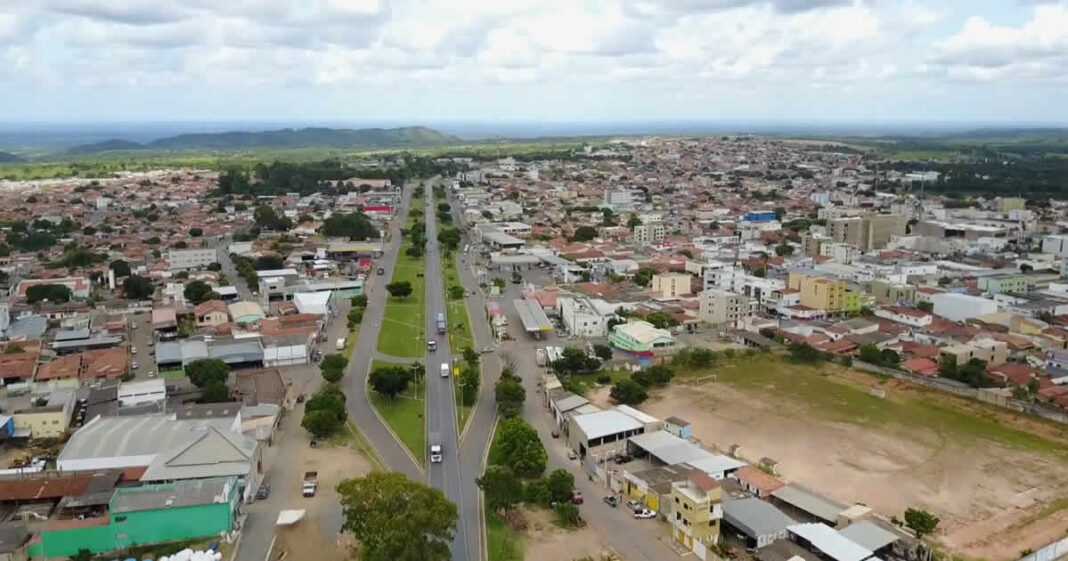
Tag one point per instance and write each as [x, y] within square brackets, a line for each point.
[43, 425]
[64, 543]
[151, 526]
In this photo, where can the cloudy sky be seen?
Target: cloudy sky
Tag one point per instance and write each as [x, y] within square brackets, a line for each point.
[519, 60]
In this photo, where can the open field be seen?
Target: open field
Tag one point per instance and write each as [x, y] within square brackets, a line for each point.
[403, 332]
[997, 480]
[502, 543]
[404, 414]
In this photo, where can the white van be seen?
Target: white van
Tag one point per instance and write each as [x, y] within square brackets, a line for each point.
[444, 370]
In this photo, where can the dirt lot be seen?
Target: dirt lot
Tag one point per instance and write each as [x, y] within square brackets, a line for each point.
[545, 540]
[998, 481]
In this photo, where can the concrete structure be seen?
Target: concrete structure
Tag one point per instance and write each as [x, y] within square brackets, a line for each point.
[211, 313]
[642, 339]
[806, 505]
[961, 307]
[696, 512]
[724, 309]
[140, 393]
[50, 420]
[990, 351]
[913, 317]
[867, 232]
[671, 285]
[824, 541]
[818, 292]
[185, 259]
[891, 293]
[602, 434]
[759, 521]
[245, 312]
[1057, 244]
[1001, 284]
[645, 234]
[583, 317]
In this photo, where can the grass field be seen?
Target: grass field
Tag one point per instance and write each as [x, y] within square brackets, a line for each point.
[404, 414]
[997, 479]
[403, 331]
[502, 543]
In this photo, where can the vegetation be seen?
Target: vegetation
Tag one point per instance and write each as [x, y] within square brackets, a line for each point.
[921, 522]
[402, 289]
[354, 226]
[501, 486]
[516, 445]
[510, 394]
[396, 519]
[332, 367]
[324, 413]
[628, 392]
[55, 293]
[200, 291]
[136, 287]
[403, 413]
[403, 325]
[207, 371]
[390, 380]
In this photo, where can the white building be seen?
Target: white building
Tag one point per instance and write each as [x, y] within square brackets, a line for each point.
[839, 252]
[139, 393]
[723, 308]
[1056, 244]
[184, 259]
[649, 233]
[908, 316]
[585, 317]
[961, 307]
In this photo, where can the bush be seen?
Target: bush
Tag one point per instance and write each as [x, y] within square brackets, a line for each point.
[604, 379]
[537, 493]
[628, 392]
[567, 515]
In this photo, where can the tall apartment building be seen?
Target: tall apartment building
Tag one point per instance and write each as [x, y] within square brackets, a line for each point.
[870, 231]
[722, 308]
[671, 285]
[697, 508]
[649, 233]
[818, 292]
[182, 259]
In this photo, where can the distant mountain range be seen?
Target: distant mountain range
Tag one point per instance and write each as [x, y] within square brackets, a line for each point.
[8, 158]
[403, 137]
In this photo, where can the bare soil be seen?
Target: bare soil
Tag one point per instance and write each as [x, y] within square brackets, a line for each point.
[995, 499]
[545, 540]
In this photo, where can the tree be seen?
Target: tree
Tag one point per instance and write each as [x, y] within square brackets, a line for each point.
[925, 306]
[537, 492]
[628, 392]
[661, 320]
[469, 382]
[784, 249]
[510, 396]
[88, 231]
[603, 352]
[268, 263]
[921, 522]
[206, 371]
[355, 317]
[584, 234]
[576, 361]
[396, 519]
[49, 292]
[325, 412]
[136, 287]
[501, 487]
[518, 446]
[320, 423]
[1026, 268]
[804, 352]
[199, 291]
[449, 238]
[354, 226]
[973, 373]
[196, 232]
[560, 483]
[333, 367]
[121, 268]
[471, 356]
[634, 221]
[947, 366]
[567, 514]
[13, 349]
[643, 276]
[359, 301]
[456, 292]
[266, 218]
[215, 392]
[390, 380]
[401, 289]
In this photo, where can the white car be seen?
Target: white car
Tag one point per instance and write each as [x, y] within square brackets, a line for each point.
[444, 370]
[133, 350]
[645, 513]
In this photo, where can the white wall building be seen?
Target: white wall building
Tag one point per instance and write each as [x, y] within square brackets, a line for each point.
[722, 308]
[1056, 244]
[961, 307]
[139, 393]
[183, 259]
[583, 317]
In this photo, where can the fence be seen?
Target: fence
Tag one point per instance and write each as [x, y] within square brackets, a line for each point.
[952, 386]
[1050, 552]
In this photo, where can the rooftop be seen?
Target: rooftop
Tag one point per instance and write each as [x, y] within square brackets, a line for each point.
[604, 423]
[174, 495]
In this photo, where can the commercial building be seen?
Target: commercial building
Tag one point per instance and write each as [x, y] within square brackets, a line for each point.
[185, 259]
[649, 233]
[827, 542]
[131, 394]
[584, 317]
[642, 339]
[722, 308]
[961, 307]
[50, 420]
[1002, 284]
[696, 512]
[867, 232]
[759, 521]
[603, 434]
[146, 515]
[806, 505]
[671, 285]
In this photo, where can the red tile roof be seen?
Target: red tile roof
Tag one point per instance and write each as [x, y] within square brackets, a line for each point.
[766, 483]
[921, 366]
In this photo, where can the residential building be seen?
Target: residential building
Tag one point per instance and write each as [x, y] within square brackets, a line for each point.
[185, 259]
[990, 351]
[641, 338]
[79, 286]
[818, 292]
[839, 252]
[211, 313]
[726, 309]
[671, 285]
[649, 233]
[584, 317]
[696, 511]
[867, 232]
[1001, 284]
[886, 292]
[961, 307]
[1057, 244]
[909, 316]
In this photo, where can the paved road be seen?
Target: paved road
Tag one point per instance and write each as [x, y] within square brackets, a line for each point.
[223, 249]
[389, 449]
[441, 401]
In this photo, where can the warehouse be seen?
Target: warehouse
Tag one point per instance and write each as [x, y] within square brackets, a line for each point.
[602, 434]
[760, 522]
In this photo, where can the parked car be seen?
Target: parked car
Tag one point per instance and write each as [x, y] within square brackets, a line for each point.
[487, 350]
[134, 366]
[263, 492]
[555, 433]
[576, 497]
[133, 350]
[645, 514]
[381, 271]
[612, 501]
[634, 505]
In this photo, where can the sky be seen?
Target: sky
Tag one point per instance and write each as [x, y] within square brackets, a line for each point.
[410, 61]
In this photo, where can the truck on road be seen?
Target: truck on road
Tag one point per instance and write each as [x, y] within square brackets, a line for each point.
[435, 448]
[441, 323]
[340, 345]
[311, 483]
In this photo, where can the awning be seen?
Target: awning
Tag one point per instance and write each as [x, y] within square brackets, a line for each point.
[289, 517]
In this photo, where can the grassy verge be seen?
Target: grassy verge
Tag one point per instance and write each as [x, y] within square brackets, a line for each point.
[501, 542]
[404, 414]
[828, 393]
[403, 330]
[363, 446]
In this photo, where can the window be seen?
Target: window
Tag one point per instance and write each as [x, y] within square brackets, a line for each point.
[120, 519]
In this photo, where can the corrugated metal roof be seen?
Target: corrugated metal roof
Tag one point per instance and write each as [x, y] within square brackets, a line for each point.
[830, 542]
[869, 534]
[604, 423]
[174, 495]
[809, 501]
[755, 517]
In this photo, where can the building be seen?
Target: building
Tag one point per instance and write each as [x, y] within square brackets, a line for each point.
[913, 317]
[886, 292]
[819, 293]
[961, 307]
[603, 434]
[50, 420]
[145, 515]
[761, 216]
[642, 339]
[185, 259]
[246, 312]
[724, 309]
[1057, 244]
[583, 317]
[1002, 284]
[211, 313]
[79, 286]
[759, 521]
[671, 285]
[867, 232]
[990, 351]
[696, 511]
[131, 394]
[645, 234]
[806, 505]
[758, 482]
[827, 543]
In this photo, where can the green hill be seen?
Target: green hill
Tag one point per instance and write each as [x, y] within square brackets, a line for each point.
[106, 146]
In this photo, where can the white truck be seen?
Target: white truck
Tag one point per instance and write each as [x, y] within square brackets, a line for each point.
[340, 345]
[444, 370]
[435, 448]
[311, 483]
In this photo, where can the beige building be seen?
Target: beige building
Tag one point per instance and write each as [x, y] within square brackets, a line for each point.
[671, 285]
[990, 351]
[723, 308]
[211, 313]
[649, 233]
[871, 231]
[696, 511]
[46, 421]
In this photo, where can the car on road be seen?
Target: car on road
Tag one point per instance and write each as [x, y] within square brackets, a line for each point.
[635, 505]
[381, 270]
[133, 350]
[151, 373]
[431, 345]
[133, 326]
[135, 366]
[444, 370]
[645, 514]
[487, 350]
[612, 501]
[576, 497]
[263, 492]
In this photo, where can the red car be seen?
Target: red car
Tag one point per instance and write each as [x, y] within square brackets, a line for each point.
[576, 497]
